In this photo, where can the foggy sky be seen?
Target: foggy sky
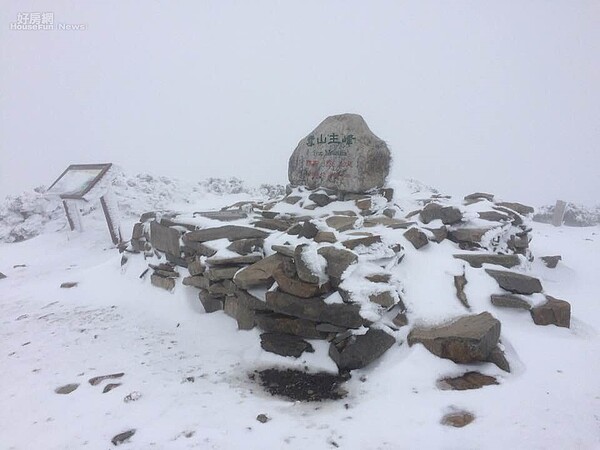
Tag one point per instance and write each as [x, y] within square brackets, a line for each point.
[501, 96]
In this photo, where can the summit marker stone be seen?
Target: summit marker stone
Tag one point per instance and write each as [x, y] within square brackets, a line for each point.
[342, 153]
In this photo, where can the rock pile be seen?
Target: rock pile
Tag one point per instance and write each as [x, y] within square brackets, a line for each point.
[320, 262]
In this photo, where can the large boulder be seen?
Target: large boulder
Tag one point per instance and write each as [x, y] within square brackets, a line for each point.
[516, 283]
[466, 340]
[358, 351]
[342, 153]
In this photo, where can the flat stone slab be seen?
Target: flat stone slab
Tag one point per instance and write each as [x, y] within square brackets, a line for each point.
[233, 260]
[510, 301]
[246, 246]
[466, 340]
[285, 344]
[478, 259]
[518, 207]
[366, 241]
[231, 232]
[341, 223]
[342, 153]
[281, 323]
[259, 273]
[297, 287]
[469, 235]
[467, 381]
[164, 238]
[315, 309]
[516, 283]
[360, 350]
[223, 216]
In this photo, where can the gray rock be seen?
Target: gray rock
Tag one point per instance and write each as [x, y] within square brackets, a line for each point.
[122, 437]
[494, 216]
[360, 350]
[221, 273]
[439, 234]
[262, 418]
[244, 316]
[498, 357]
[550, 261]
[2, 276]
[162, 282]
[66, 389]
[338, 260]
[250, 301]
[466, 340]
[366, 241]
[246, 246]
[292, 199]
[364, 204]
[341, 154]
[94, 381]
[341, 223]
[447, 214]
[221, 288]
[553, 312]
[389, 212]
[233, 260]
[286, 250]
[379, 278]
[388, 222]
[198, 247]
[272, 224]
[280, 323]
[509, 301]
[304, 272]
[285, 344]
[467, 235]
[231, 232]
[518, 207]
[196, 268]
[71, 284]
[295, 286]
[210, 303]
[325, 236]
[385, 299]
[315, 309]
[309, 230]
[460, 281]
[138, 231]
[515, 282]
[416, 237]
[478, 195]
[198, 281]
[478, 259]
[259, 273]
[400, 320]
[320, 199]
[164, 238]
[516, 218]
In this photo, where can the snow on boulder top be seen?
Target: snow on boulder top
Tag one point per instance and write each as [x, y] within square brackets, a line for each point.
[343, 154]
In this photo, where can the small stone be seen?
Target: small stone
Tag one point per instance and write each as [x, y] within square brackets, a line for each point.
[69, 284]
[338, 260]
[295, 286]
[325, 236]
[132, 397]
[292, 199]
[294, 230]
[517, 207]
[360, 350]
[478, 259]
[467, 381]
[494, 216]
[447, 214]
[67, 388]
[365, 241]
[385, 299]
[199, 281]
[470, 236]
[460, 281]
[97, 380]
[551, 261]
[389, 212]
[309, 230]
[244, 316]
[400, 320]
[234, 260]
[416, 237]
[110, 386]
[210, 303]
[259, 273]
[2, 276]
[162, 282]
[553, 312]
[196, 268]
[122, 437]
[224, 273]
[262, 418]
[379, 278]
[272, 224]
[364, 204]
[498, 357]
[458, 419]
[439, 234]
[320, 199]
[246, 246]
[305, 273]
[478, 195]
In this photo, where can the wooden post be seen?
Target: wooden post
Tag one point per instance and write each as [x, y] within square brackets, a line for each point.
[559, 213]
[71, 224]
[113, 225]
[73, 215]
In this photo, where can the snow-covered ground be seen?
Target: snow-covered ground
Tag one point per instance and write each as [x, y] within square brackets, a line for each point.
[192, 369]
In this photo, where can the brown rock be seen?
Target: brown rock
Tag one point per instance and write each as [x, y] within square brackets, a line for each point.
[468, 339]
[164, 238]
[259, 273]
[364, 241]
[515, 282]
[551, 261]
[458, 419]
[518, 207]
[66, 389]
[478, 259]
[553, 312]
[416, 237]
[460, 281]
[467, 381]
[509, 301]
[246, 246]
[358, 351]
[341, 223]
[295, 286]
[280, 323]
[338, 260]
[244, 316]
[231, 232]
[325, 236]
[210, 302]
[162, 282]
